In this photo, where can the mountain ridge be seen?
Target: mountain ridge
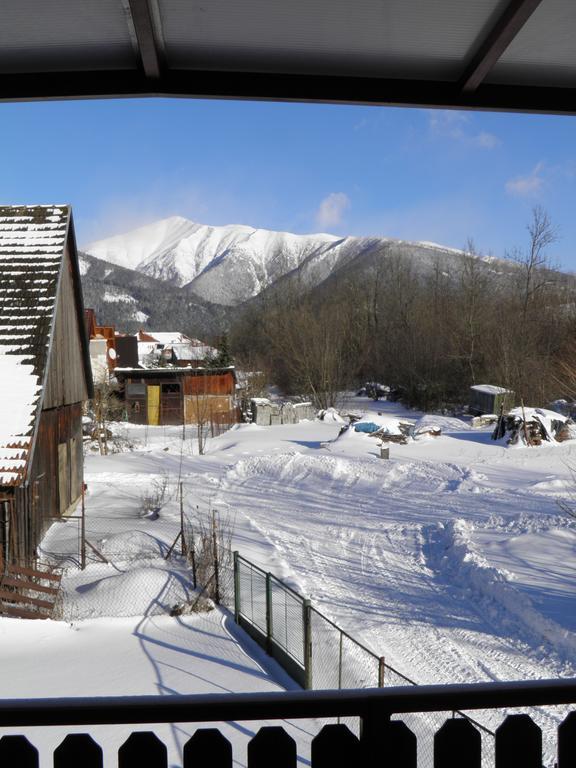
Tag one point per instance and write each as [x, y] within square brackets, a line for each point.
[231, 264]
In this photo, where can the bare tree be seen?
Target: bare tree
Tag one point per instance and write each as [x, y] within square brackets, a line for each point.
[202, 412]
[106, 408]
[473, 295]
[535, 260]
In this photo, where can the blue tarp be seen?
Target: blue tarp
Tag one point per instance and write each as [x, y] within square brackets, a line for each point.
[366, 426]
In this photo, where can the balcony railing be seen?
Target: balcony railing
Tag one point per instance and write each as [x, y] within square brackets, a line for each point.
[385, 739]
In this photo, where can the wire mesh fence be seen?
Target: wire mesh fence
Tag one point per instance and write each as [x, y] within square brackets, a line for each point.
[287, 617]
[173, 560]
[319, 654]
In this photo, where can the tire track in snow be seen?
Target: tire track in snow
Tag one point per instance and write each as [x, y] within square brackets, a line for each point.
[369, 572]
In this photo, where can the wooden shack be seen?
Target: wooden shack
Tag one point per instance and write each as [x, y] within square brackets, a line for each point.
[44, 375]
[164, 396]
[488, 398]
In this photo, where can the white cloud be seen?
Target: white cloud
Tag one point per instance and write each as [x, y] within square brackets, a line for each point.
[486, 140]
[529, 185]
[457, 126]
[331, 210]
[445, 122]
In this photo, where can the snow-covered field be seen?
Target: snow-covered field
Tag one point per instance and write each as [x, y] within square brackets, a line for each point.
[452, 559]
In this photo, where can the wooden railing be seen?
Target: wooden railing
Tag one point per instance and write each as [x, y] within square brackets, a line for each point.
[383, 740]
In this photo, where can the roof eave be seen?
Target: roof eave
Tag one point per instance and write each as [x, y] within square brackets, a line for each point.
[259, 86]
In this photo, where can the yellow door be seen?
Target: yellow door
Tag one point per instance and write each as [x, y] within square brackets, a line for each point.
[153, 405]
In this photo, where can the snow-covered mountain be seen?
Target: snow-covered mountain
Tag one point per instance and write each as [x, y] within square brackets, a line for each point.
[226, 265]
[231, 264]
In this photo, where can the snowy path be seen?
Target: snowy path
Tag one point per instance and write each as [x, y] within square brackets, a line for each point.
[452, 559]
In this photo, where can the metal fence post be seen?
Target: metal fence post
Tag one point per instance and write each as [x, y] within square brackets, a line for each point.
[269, 628]
[381, 671]
[307, 617]
[340, 665]
[340, 661]
[237, 605]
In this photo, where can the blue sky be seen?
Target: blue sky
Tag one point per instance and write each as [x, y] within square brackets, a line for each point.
[415, 174]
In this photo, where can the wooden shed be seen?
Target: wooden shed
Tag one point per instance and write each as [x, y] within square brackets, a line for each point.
[163, 396]
[44, 375]
[488, 398]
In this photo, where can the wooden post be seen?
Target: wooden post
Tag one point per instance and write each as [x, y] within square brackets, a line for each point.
[216, 563]
[527, 438]
[192, 556]
[307, 618]
[237, 601]
[182, 536]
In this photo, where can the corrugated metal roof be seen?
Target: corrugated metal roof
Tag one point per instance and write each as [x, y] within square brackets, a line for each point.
[32, 241]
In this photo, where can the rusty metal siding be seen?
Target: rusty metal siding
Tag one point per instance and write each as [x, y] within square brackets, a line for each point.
[66, 382]
[209, 384]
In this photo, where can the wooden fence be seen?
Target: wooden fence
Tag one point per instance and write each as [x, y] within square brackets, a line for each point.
[383, 740]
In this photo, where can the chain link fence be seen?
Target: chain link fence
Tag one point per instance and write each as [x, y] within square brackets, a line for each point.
[320, 655]
[171, 562]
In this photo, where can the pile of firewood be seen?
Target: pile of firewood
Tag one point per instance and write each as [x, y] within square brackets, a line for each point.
[533, 426]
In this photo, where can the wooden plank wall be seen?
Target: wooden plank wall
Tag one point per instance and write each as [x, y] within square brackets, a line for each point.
[66, 382]
[207, 406]
[209, 384]
[54, 479]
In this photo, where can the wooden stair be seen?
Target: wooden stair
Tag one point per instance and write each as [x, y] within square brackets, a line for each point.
[28, 593]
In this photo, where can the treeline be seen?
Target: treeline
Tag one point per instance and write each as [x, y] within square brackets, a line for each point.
[149, 302]
[465, 321]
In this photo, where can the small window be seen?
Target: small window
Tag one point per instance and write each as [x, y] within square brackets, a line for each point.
[135, 390]
[170, 389]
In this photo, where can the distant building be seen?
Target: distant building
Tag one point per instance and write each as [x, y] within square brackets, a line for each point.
[102, 347]
[177, 395]
[45, 375]
[487, 398]
[108, 348]
[173, 348]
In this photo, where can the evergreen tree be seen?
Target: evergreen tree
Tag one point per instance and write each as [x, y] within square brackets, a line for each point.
[223, 359]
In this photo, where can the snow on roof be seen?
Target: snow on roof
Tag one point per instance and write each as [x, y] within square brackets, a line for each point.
[490, 389]
[32, 240]
[541, 414]
[170, 337]
[182, 346]
[193, 351]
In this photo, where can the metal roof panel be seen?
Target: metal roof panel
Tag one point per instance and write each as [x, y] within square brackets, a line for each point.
[60, 35]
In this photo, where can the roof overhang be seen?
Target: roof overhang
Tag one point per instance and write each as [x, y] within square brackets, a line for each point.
[478, 54]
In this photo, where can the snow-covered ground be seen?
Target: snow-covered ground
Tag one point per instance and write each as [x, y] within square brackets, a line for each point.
[452, 559]
[140, 655]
